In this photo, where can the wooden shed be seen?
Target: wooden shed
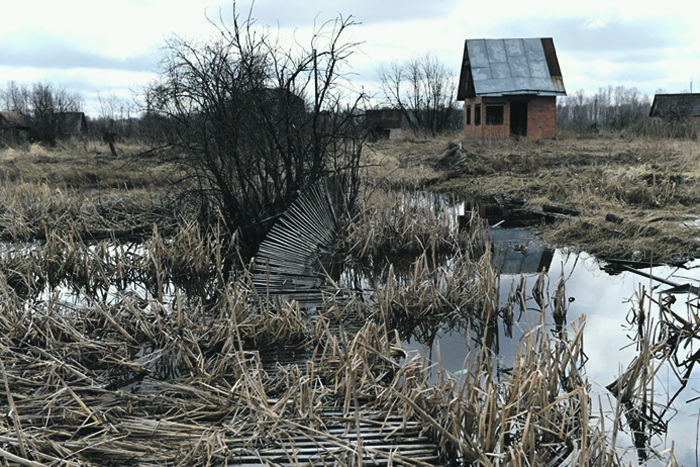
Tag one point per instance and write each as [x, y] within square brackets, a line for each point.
[384, 123]
[14, 128]
[71, 124]
[676, 107]
[509, 88]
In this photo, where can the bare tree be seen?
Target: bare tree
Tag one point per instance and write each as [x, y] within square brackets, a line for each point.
[15, 98]
[259, 124]
[611, 108]
[422, 88]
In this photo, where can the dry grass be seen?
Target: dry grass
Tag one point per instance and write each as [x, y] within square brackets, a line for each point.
[201, 396]
[654, 183]
[158, 359]
[400, 222]
[30, 210]
[85, 165]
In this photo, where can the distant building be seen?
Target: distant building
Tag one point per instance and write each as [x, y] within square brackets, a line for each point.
[676, 107]
[14, 128]
[71, 124]
[509, 88]
[384, 123]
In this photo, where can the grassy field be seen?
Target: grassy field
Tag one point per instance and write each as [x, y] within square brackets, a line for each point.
[650, 186]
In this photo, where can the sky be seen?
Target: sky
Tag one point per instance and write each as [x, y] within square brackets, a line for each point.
[108, 51]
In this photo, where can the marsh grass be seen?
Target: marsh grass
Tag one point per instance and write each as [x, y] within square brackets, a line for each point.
[166, 378]
[30, 210]
[637, 178]
[201, 396]
[156, 357]
[636, 239]
[392, 222]
[87, 164]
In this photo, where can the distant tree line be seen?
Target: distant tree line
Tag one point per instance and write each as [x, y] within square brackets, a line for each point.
[611, 108]
[44, 106]
[423, 89]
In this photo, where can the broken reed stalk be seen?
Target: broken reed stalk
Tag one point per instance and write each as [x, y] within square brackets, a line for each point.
[13, 413]
[200, 394]
[664, 338]
[203, 397]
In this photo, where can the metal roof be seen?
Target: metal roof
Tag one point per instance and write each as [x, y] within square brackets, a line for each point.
[496, 67]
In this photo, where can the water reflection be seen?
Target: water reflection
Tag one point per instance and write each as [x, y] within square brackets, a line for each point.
[618, 309]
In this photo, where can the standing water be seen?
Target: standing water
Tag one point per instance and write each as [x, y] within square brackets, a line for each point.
[607, 298]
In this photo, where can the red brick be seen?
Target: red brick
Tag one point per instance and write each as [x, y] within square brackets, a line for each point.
[541, 117]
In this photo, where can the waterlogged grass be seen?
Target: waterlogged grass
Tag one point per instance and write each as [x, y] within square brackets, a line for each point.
[83, 165]
[208, 397]
[652, 183]
[155, 357]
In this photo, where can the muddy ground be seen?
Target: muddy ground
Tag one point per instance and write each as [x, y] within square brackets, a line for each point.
[633, 198]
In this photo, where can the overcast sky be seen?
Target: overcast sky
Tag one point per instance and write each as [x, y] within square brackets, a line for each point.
[112, 47]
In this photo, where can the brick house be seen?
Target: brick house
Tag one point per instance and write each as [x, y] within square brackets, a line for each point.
[509, 88]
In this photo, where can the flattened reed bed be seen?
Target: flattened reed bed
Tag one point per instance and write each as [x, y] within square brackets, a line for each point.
[155, 379]
[152, 378]
[357, 400]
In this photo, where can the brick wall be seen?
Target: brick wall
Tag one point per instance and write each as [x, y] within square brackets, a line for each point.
[541, 117]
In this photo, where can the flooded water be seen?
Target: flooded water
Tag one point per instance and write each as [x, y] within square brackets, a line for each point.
[606, 300]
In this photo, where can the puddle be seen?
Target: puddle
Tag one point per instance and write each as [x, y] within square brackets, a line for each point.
[604, 297]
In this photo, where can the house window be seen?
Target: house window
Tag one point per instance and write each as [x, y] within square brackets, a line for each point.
[469, 115]
[494, 115]
[477, 114]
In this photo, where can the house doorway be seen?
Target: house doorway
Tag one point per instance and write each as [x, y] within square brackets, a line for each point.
[518, 119]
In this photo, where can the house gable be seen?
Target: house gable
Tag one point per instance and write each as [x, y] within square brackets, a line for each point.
[497, 67]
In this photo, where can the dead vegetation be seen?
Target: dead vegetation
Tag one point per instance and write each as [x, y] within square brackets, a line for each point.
[152, 353]
[652, 183]
[85, 165]
[152, 375]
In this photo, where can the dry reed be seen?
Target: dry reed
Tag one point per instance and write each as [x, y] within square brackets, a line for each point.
[162, 379]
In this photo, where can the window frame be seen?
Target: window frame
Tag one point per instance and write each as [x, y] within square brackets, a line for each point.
[495, 119]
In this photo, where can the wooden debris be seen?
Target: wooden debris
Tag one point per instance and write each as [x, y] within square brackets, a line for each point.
[561, 210]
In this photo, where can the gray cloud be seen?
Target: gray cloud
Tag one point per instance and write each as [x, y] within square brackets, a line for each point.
[302, 14]
[39, 50]
[634, 49]
[646, 35]
[629, 41]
